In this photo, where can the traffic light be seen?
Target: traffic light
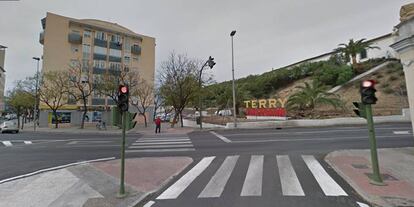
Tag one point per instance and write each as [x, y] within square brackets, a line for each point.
[360, 109]
[211, 62]
[123, 98]
[368, 92]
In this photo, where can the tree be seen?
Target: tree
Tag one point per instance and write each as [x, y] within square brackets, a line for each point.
[179, 82]
[312, 95]
[80, 86]
[22, 103]
[54, 91]
[142, 97]
[353, 48]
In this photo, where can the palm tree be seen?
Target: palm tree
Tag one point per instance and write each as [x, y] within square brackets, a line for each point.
[312, 95]
[353, 48]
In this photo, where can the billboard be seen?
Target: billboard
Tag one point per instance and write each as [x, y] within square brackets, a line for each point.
[266, 107]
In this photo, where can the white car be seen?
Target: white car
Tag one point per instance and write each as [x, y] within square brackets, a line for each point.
[9, 126]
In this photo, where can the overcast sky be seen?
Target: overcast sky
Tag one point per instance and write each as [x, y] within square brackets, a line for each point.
[270, 33]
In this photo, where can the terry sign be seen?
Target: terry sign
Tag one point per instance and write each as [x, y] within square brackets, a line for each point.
[266, 107]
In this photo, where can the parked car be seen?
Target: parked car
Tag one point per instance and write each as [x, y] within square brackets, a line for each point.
[223, 112]
[9, 126]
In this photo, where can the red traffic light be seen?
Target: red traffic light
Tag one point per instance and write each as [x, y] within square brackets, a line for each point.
[368, 83]
[123, 89]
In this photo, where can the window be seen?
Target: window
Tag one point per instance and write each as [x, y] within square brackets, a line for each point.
[85, 63]
[127, 60]
[115, 53]
[363, 54]
[100, 35]
[127, 44]
[99, 50]
[87, 34]
[86, 51]
[116, 38]
[115, 66]
[99, 63]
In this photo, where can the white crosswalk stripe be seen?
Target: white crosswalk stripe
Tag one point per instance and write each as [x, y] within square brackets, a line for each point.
[253, 179]
[161, 144]
[178, 187]
[216, 185]
[253, 183]
[288, 179]
[328, 185]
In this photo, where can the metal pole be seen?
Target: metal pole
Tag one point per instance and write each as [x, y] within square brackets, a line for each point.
[234, 89]
[36, 101]
[376, 176]
[122, 185]
[199, 100]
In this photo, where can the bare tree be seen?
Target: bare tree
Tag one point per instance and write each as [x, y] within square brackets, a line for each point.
[142, 97]
[81, 86]
[54, 91]
[179, 82]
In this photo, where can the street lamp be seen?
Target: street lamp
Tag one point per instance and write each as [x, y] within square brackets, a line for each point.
[234, 87]
[210, 62]
[36, 101]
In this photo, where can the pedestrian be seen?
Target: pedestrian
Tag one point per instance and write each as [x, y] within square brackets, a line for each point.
[157, 125]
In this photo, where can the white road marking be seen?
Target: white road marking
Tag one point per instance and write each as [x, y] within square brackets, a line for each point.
[253, 182]
[288, 178]
[28, 142]
[362, 204]
[160, 143]
[160, 146]
[149, 204]
[221, 137]
[216, 185]
[165, 137]
[178, 187]
[7, 143]
[73, 142]
[328, 185]
[401, 132]
[162, 150]
[287, 139]
[54, 168]
[161, 140]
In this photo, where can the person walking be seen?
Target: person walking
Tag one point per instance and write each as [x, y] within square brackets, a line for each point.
[157, 125]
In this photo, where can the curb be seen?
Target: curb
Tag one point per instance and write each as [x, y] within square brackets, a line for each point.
[54, 168]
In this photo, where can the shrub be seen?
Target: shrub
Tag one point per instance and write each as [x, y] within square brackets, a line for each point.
[379, 76]
[388, 90]
[344, 76]
[385, 85]
[330, 74]
[392, 78]
[401, 73]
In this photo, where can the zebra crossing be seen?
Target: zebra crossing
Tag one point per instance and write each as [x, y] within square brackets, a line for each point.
[162, 143]
[253, 180]
[8, 143]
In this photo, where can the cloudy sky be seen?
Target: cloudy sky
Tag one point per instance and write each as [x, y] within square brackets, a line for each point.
[270, 33]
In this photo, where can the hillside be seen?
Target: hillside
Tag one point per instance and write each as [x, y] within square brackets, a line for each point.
[391, 91]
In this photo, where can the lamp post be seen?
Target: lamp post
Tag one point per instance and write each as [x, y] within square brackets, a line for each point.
[210, 62]
[36, 101]
[234, 87]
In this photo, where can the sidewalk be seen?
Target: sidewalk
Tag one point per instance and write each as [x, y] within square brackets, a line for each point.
[94, 184]
[396, 167]
[165, 129]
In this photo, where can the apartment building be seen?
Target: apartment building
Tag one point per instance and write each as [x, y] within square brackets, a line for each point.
[2, 76]
[101, 47]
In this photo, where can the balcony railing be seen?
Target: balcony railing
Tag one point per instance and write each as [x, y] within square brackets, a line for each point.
[136, 49]
[99, 70]
[75, 38]
[99, 56]
[115, 45]
[114, 59]
[101, 43]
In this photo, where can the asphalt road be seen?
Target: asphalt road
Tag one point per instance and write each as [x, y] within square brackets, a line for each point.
[231, 167]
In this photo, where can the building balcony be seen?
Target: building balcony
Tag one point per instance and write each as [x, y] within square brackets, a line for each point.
[115, 72]
[115, 45]
[98, 101]
[99, 56]
[99, 70]
[136, 50]
[42, 38]
[115, 59]
[75, 38]
[100, 43]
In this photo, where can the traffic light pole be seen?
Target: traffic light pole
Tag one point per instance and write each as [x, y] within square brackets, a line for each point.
[122, 177]
[376, 176]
